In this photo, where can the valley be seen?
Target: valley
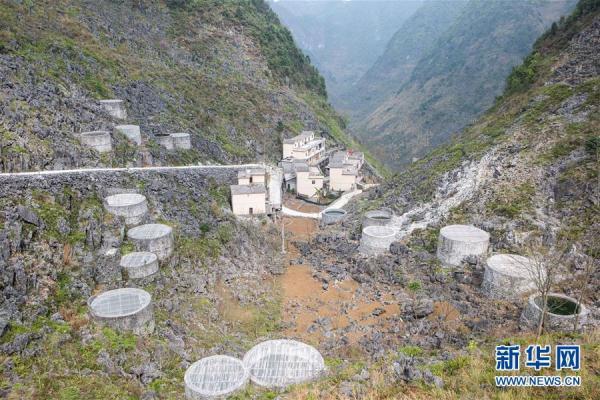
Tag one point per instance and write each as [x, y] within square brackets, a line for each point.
[223, 233]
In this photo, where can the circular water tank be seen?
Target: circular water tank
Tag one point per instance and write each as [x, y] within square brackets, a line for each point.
[126, 309]
[132, 132]
[165, 140]
[376, 240]
[279, 363]
[181, 141]
[507, 276]
[459, 241]
[377, 218]
[97, 140]
[154, 238]
[115, 107]
[132, 206]
[561, 313]
[139, 265]
[332, 215]
[214, 377]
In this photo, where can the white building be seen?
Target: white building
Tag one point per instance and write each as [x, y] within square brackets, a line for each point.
[344, 170]
[249, 199]
[304, 147]
[309, 180]
[251, 175]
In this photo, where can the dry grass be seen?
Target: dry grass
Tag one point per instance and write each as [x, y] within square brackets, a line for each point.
[469, 376]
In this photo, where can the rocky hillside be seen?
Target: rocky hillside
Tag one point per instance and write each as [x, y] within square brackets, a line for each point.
[227, 72]
[454, 80]
[527, 168]
[343, 38]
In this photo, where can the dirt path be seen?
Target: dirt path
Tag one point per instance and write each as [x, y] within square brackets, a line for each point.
[342, 307]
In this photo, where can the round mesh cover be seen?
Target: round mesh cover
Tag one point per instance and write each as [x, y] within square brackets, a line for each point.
[149, 231]
[137, 259]
[279, 363]
[464, 233]
[120, 302]
[215, 376]
[125, 199]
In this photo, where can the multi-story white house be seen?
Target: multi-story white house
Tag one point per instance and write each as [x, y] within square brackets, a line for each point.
[305, 147]
[344, 170]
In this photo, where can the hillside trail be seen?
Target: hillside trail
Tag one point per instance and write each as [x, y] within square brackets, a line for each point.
[315, 310]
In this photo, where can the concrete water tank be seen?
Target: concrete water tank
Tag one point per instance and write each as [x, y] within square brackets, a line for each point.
[181, 141]
[215, 377]
[165, 140]
[154, 238]
[132, 206]
[508, 276]
[280, 363]
[459, 241]
[561, 313]
[332, 216]
[126, 309]
[98, 140]
[132, 132]
[139, 264]
[376, 240]
[115, 107]
[377, 218]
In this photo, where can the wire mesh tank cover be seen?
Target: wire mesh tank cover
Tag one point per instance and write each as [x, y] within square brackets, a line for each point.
[214, 376]
[120, 303]
[279, 363]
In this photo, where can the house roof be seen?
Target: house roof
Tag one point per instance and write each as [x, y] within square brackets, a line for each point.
[256, 188]
[246, 173]
[301, 136]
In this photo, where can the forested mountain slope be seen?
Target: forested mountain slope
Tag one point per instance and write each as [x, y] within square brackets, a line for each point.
[226, 72]
[415, 38]
[456, 79]
[343, 38]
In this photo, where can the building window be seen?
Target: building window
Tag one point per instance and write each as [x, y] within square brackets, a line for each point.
[313, 182]
[250, 179]
[251, 211]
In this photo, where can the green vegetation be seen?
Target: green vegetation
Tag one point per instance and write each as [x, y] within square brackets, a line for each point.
[513, 201]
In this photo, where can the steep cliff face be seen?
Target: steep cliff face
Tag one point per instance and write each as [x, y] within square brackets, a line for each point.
[226, 72]
[456, 79]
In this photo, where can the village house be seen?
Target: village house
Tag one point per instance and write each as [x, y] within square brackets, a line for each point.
[304, 147]
[309, 180]
[344, 170]
[249, 199]
[251, 175]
